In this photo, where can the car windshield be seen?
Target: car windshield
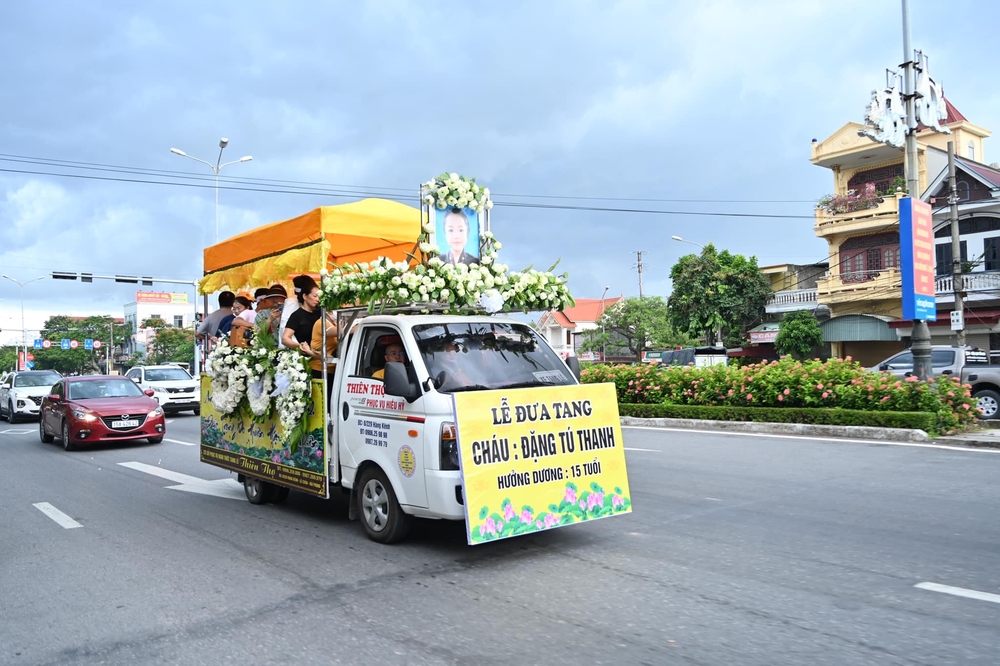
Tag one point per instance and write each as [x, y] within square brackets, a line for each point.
[487, 355]
[36, 379]
[166, 375]
[96, 389]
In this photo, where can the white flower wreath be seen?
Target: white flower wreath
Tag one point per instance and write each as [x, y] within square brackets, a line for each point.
[293, 388]
[228, 373]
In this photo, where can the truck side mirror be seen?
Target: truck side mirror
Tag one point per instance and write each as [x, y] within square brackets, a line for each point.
[884, 366]
[573, 363]
[398, 382]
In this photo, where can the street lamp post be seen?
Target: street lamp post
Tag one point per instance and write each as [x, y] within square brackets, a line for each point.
[604, 340]
[681, 240]
[24, 333]
[216, 168]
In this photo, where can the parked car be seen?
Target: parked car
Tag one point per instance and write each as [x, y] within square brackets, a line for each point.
[968, 363]
[172, 386]
[21, 393]
[99, 408]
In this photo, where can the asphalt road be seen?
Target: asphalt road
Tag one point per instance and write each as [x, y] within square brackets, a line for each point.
[741, 550]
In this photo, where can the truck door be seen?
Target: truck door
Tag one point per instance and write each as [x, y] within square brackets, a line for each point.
[380, 428]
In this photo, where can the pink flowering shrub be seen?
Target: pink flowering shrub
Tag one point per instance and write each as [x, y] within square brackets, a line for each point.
[789, 383]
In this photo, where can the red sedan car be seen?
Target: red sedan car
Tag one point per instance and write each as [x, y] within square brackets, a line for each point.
[99, 408]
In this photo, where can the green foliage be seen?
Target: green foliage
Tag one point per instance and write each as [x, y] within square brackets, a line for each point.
[925, 421]
[790, 384]
[798, 333]
[171, 344]
[8, 357]
[75, 328]
[633, 325]
[717, 295]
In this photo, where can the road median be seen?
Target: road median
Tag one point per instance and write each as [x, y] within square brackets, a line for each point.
[798, 429]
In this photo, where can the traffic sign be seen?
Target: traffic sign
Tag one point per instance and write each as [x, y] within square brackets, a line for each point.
[88, 343]
[31, 357]
[38, 343]
[73, 344]
[30, 364]
[46, 344]
[65, 343]
[97, 344]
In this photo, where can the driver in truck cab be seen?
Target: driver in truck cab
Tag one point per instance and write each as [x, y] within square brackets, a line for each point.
[394, 353]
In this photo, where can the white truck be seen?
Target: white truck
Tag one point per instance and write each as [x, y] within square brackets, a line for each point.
[386, 435]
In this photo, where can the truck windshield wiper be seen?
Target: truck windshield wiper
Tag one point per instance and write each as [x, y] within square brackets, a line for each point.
[473, 387]
[516, 385]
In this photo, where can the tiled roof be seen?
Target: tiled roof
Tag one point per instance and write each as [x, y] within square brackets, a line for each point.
[954, 115]
[589, 309]
[986, 173]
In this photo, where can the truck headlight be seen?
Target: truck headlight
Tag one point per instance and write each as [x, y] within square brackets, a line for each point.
[449, 447]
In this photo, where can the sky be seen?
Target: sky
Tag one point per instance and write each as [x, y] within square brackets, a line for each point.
[616, 105]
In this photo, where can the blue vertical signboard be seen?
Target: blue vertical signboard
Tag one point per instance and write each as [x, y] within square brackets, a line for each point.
[916, 259]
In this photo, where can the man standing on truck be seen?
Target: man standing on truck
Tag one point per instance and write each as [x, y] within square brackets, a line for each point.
[210, 324]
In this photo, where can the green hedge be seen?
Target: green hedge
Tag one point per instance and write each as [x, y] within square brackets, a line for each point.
[925, 421]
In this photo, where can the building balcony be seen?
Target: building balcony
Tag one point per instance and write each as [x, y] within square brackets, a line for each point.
[978, 287]
[791, 300]
[881, 217]
[859, 285]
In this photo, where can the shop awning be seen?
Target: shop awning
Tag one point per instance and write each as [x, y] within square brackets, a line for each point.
[348, 233]
[858, 328]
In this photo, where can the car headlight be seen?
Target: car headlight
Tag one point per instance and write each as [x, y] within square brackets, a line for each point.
[157, 412]
[159, 389]
[84, 416]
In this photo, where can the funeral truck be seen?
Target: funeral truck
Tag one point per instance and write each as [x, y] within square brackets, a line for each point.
[382, 425]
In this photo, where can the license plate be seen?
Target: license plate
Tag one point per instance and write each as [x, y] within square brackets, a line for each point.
[125, 424]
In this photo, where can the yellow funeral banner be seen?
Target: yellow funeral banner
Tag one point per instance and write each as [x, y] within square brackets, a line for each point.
[538, 458]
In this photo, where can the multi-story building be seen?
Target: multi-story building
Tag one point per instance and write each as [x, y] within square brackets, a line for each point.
[860, 223]
[173, 308]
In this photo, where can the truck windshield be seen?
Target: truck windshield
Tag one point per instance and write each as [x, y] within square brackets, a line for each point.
[485, 355]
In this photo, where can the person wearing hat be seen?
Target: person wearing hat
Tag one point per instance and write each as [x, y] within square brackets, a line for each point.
[269, 306]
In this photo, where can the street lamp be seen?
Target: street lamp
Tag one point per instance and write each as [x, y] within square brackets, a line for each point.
[681, 240]
[216, 168]
[604, 340]
[24, 333]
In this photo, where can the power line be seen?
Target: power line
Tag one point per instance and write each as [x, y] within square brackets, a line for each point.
[251, 180]
[313, 192]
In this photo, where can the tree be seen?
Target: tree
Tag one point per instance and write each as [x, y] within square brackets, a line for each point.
[717, 295]
[170, 344]
[8, 357]
[798, 333]
[633, 325]
[79, 360]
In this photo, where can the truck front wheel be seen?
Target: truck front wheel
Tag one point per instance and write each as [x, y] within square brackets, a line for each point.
[381, 514]
[988, 403]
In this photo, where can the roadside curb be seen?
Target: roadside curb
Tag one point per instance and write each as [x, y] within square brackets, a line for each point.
[803, 429]
[970, 441]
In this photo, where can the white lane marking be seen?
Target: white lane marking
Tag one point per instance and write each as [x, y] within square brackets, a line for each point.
[58, 516]
[17, 431]
[713, 499]
[170, 420]
[628, 448]
[817, 439]
[960, 592]
[227, 488]
[180, 441]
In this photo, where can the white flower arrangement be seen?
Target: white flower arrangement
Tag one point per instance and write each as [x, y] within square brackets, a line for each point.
[227, 369]
[488, 286]
[294, 388]
[453, 190]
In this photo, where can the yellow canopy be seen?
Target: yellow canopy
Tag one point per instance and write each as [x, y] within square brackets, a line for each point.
[349, 233]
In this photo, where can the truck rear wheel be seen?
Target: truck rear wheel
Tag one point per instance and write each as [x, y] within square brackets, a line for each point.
[988, 403]
[381, 514]
[257, 491]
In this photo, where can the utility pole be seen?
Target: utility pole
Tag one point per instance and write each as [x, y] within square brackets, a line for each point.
[921, 335]
[956, 246]
[639, 268]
